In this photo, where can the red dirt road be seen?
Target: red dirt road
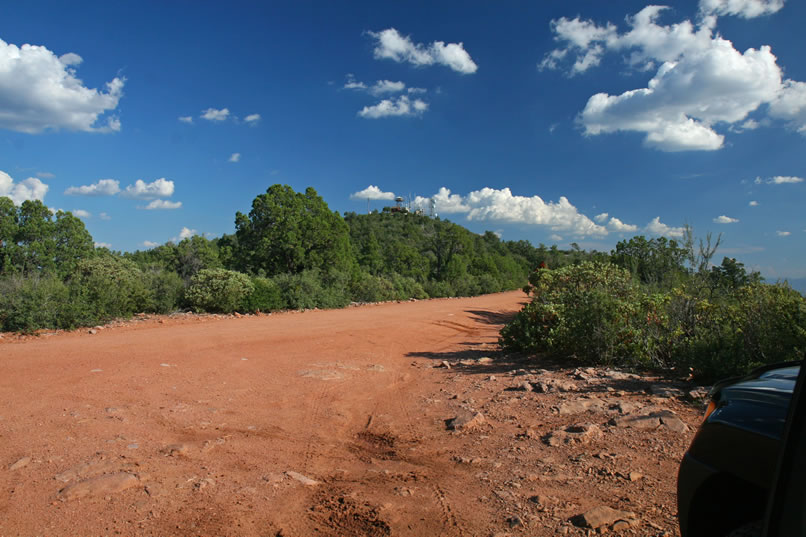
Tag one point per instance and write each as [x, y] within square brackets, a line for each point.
[318, 423]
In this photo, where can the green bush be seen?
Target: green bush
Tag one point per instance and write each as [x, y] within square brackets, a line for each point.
[596, 313]
[218, 290]
[30, 303]
[107, 287]
[592, 311]
[265, 296]
[757, 324]
[299, 291]
[368, 288]
[406, 287]
[165, 289]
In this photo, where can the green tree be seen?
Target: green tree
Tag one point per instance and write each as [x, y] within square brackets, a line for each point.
[659, 262]
[289, 232]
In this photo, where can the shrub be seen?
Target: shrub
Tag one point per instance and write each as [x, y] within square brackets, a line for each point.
[33, 302]
[368, 288]
[265, 296]
[595, 313]
[107, 287]
[165, 289]
[592, 311]
[757, 324]
[406, 287]
[299, 291]
[218, 290]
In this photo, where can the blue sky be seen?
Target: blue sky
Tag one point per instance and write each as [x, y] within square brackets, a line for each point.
[560, 122]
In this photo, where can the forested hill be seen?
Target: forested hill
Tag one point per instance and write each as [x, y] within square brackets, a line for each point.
[289, 251]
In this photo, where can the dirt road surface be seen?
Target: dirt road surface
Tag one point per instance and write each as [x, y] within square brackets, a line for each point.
[328, 423]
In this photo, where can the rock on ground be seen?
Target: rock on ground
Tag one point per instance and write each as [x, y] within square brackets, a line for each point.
[99, 486]
[465, 421]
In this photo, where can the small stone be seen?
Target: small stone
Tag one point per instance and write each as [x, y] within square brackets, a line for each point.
[99, 486]
[627, 407]
[92, 331]
[643, 421]
[21, 463]
[579, 406]
[307, 481]
[491, 378]
[673, 423]
[698, 394]
[485, 360]
[621, 525]
[515, 522]
[444, 364]
[465, 421]
[525, 387]
[177, 450]
[635, 476]
[602, 516]
[573, 434]
[660, 390]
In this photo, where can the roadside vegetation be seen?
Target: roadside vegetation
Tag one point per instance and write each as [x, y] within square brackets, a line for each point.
[650, 303]
[290, 251]
[661, 304]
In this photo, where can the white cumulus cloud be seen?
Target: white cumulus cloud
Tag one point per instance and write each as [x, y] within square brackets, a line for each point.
[104, 216]
[104, 187]
[352, 83]
[212, 114]
[40, 91]
[159, 205]
[500, 205]
[444, 202]
[790, 105]
[784, 179]
[753, 203]
[150, 244]
[722, 219]
[616, 225]
[81, 213]
[27, 190]
[235, 157]
[103, 245]
[386, 86]
[700, 80]
[747, 9]
[783, 233]
[656, 227]
[252, 119]
[402, 106]
[186, 119]
[186, 233]
[161, 188]
[394, 46]
[372, 192]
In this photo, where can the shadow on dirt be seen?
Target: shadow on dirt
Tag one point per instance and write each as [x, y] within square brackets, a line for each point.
[536, 368]
[492, 317]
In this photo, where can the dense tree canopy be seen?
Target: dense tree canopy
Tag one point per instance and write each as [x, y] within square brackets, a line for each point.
[289, 232]
[34, 240]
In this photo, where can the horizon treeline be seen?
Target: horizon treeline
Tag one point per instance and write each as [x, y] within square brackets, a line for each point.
[657, 303]
[290, 251]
